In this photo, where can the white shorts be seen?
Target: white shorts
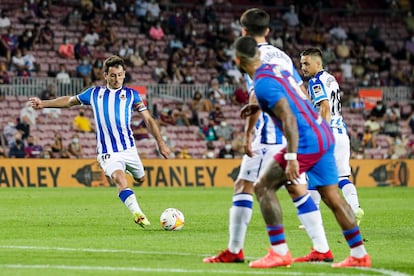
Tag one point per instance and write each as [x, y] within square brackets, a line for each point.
[127, 161]
[250, 166]
[342, 152]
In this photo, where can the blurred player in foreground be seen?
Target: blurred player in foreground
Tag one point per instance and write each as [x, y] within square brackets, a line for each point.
[267, 142]
[310, 149]
[113, 106]
[325, 94]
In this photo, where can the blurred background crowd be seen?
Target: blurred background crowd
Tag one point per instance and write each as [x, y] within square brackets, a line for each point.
[365, 44]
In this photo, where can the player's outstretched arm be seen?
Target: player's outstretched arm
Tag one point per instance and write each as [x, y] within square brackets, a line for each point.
[61, 102]
[155, 132]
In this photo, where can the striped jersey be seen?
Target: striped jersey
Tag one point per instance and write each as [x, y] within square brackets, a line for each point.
[271, 85]
[266, 132]
[112, 111]
[323, 86]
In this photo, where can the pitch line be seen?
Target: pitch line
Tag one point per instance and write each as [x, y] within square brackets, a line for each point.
[108, 268]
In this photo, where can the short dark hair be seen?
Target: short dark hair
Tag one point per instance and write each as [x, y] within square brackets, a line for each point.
[256, 21]
[316, 52]
[113, 61]
[245, 46]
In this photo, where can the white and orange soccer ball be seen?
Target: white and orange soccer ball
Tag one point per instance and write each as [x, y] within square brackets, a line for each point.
[172, 219]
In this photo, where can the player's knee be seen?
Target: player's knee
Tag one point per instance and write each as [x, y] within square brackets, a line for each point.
[243, 186]
[139, 180]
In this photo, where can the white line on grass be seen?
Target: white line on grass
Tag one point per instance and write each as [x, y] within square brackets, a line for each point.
[163, 270]
[103, 250]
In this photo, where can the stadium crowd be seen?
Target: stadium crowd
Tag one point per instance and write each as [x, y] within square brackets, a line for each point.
[182, 42]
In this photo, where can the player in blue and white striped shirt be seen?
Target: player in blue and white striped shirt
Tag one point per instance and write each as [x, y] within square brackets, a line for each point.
[325, 93]
[113, 106]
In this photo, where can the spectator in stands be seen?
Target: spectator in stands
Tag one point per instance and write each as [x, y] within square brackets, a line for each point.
[47, 35]
[160, 71]
[8, 43]
[25, 40]
[84, 71]
[4, 20]
[16, 149]
[26, 15]
[224, 131]
[29, 61]
[9, 132]
[410, 122]
[47, 152]
[126, 51]
[176, 75]
[338, 32]
[66, 49]
[139, 129]
[355, 138]
[82, 123]
[219, 96]
[91, 37]
[383, 62]
[28, 115]
[391, 124]
[110, 6]
[23, 128]
[141, 9]
[227, 151]
[43, 10]
[57, 146]
[209, 131]
[374, 124]
[97, 72]
[108, 37]
[32, 149]
[368, 139]
[17, 63]
[179, 115]
[2, 152]
[75, 148]
[291, 17]
[73, 18]
[4, 76]
[166, 118]
[151, 53]
[379, 110]
[183, 154]
[210, 152]
[155, 31]
[49, 93]
[62, 76]
[241, 94]
[82, 49]
[216, 115]
[88, 11]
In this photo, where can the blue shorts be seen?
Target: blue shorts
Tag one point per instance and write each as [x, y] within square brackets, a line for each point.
[320, 168]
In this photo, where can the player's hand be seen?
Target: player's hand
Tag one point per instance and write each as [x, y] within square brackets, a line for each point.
[292, 171]
[249, 110]
[164, 150]
[36, 103]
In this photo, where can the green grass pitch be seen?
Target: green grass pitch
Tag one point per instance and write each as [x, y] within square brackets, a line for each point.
[88, 231]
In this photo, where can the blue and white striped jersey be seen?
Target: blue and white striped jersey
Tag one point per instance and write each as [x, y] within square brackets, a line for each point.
[323, 86]
[113, 110]
[266, 132]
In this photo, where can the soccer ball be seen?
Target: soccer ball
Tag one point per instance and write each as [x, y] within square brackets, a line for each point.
[172, 219]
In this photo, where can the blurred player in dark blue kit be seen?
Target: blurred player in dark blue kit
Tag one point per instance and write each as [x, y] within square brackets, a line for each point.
[310, 149]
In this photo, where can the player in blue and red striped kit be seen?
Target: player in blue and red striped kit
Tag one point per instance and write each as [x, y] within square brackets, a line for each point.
[310, 148]
[113, 106]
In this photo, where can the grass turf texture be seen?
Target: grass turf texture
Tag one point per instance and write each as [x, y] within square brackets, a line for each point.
[89, 232]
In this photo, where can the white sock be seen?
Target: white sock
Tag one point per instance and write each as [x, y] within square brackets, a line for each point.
[350, 194]
[130, 200]
[310, 216]
[239, 219]
[316, 196]
[359, 251]
[281, 249]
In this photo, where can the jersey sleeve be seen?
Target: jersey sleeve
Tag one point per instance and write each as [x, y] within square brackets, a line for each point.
[85, 96]
[138, 103]
[297, 76]
[317, 91]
